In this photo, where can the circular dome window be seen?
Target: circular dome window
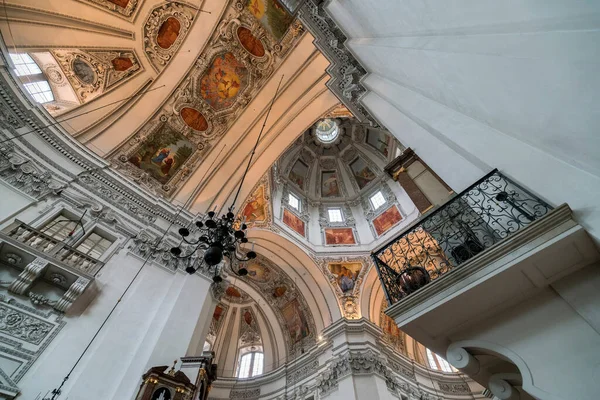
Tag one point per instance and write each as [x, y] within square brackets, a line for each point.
[327, 130]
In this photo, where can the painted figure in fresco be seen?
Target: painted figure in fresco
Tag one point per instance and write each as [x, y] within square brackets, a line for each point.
[346, 282]
[298, 330]
[364, 177]
[166, 166]
[254, 210]
[162, 154]
[330, 187]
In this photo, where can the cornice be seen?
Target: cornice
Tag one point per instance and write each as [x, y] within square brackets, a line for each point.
[95, 176]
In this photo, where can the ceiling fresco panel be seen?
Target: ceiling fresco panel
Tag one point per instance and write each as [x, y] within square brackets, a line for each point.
[168, 32]
[165, 30]
[228, 75]
[282, 294]
[251, 43]
[92, 72]
[224, 79]
[272, 15]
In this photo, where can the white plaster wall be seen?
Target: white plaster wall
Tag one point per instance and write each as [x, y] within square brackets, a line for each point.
[473, 85]
[546, 338]
[152, 325]
[13, 201]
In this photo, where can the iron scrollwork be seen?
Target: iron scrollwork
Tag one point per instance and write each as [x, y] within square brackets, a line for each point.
[484, 214]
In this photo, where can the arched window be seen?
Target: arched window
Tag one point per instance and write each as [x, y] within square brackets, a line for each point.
[437, 362]
[251, 363]
[32, 78]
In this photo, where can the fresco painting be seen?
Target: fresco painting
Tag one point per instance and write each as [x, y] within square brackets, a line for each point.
[387, 220]
[299, 173]
[248, 317]
[120, 3]
[379, 141]
[391, 333]
[233, 292]
[362, 173]
[256, 208]
[168, 32]
[251, 43]
[295, 321]
[258, 272]
[223, 80]
[194, 119]
[329, 184]
[83, 71]
[272, 16]
[162, 154]
[345, 274]
[218, 313]
[279, 291]
[339, 236]
[293, 222]
[122, 63]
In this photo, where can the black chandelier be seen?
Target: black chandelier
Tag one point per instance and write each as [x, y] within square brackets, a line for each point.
[212, 238]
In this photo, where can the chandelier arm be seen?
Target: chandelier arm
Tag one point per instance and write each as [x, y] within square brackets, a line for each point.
[191, 243]
[256, 145]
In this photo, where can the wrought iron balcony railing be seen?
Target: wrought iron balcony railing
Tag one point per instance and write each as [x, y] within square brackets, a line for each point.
[55, 248]
[484, 214]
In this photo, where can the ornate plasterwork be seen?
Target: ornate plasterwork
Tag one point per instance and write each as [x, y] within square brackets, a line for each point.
[345, 71]
[159, 57]
[249, 334]
[215, 324]
[25, 332]
[105, 76]
[271, 288]
[349, 302]
[245, 394]
[260, 192]
[189, 93]
[454, 388]
[23, 174]
[126, 11]
[22, 326]
[147, 245]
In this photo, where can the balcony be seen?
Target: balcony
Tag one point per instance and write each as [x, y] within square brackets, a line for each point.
[491, 277]
[56, 249]
[476, 220]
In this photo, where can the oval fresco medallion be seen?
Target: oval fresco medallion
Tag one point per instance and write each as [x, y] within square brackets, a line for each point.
[233, 292]
[251, 43]
[122, 63]
[168, 32]
[248, 317]
[84, 71]
[194, 119]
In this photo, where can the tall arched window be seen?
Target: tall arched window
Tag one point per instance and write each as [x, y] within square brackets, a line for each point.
[251, 363]
[32, 77]
[437, 362]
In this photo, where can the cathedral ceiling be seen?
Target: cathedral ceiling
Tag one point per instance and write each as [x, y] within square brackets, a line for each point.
[183, 103]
